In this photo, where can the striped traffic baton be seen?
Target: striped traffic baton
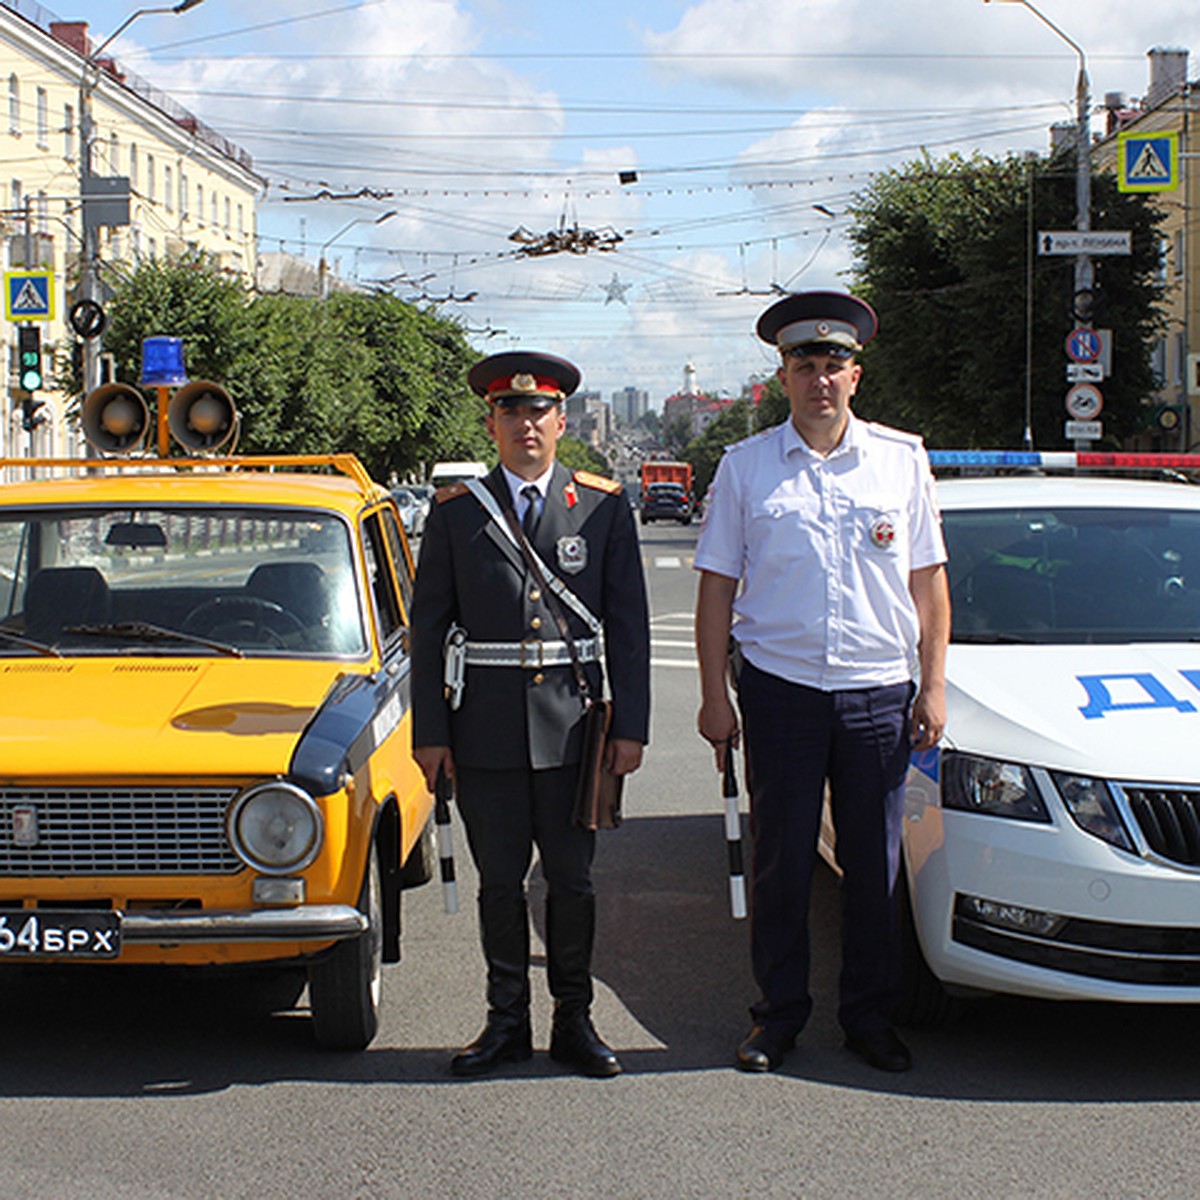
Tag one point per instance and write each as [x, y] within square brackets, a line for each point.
[442, 792]
[733, 838]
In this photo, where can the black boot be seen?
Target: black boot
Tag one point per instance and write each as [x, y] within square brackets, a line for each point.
[570, 930]
[504, 929]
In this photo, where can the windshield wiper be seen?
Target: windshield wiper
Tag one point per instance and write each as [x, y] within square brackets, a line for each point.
[992, 639]
[20, 639]
[145, 632]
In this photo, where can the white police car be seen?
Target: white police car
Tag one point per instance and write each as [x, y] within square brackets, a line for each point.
[1052, 841]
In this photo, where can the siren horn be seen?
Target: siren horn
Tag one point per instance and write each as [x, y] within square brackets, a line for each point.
[115, 418]
[202, 416]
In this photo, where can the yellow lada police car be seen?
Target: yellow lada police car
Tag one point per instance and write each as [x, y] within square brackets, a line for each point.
[204, 718]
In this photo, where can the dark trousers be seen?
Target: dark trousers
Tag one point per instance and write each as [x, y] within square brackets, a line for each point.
[507, 813]
[796, 738]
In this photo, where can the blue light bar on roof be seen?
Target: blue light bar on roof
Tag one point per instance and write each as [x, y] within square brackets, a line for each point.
[1060, 460]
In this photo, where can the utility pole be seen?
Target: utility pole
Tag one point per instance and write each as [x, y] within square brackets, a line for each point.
[90, 266]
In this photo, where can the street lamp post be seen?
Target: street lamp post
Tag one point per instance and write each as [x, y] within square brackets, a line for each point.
[1083, 153]
[88, 80]
[323, 266]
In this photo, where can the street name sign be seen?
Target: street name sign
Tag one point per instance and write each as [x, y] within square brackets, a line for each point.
[1084, 241]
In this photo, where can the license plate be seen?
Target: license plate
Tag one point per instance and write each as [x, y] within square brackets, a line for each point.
[58, 933]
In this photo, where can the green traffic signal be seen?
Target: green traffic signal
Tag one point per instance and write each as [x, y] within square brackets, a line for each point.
[29, 357]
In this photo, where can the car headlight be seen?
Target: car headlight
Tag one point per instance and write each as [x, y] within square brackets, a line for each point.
[996, 789]
[275, 827]
[1091, 806]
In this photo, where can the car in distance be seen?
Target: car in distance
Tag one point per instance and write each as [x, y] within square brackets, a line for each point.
[205, 743]
[413, 510]
[1052, 840]
[666, 502]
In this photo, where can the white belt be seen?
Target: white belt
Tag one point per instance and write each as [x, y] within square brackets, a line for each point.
[531, 653]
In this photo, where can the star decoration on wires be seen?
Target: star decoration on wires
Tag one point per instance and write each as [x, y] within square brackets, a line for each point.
[614, 289]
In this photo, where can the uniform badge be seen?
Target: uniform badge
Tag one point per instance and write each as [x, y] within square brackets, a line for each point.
[572, 554]
[882, 533]
[572, 496]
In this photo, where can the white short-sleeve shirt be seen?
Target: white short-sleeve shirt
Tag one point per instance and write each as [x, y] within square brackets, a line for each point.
[824, 547]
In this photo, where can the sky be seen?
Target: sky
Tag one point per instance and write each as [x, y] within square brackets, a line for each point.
[695, 157]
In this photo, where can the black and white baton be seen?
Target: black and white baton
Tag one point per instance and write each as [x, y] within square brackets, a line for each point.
[442, 791]
[733, 837]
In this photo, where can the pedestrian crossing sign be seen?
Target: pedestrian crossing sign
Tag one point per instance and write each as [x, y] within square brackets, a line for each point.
[1148, 162]
[29, 295]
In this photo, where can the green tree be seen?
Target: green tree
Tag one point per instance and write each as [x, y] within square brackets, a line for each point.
[942, 251]
[704, 452]
[369, 374]
[576, 455]
[773, 408]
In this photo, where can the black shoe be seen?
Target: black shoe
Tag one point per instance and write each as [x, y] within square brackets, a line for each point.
[495, 1045]
[764, 1049]
[881, 1048]
[577, 1044]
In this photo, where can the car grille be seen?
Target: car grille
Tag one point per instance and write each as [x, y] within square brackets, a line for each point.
[142, 831]
[1169, 819]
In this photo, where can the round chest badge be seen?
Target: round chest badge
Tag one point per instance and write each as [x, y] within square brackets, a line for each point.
[572, 554]
[882, 533]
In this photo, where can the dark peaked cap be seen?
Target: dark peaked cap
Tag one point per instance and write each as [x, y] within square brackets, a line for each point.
[523, 377]
[816, 318]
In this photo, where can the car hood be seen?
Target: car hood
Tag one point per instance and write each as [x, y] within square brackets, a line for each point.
[108, 718]
[1125, 712]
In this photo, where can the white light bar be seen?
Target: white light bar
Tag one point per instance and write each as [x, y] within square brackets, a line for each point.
[1064, 460]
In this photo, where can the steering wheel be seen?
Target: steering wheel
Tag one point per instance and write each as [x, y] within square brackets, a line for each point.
[244, 619]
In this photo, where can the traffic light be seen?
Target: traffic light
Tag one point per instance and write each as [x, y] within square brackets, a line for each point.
[29, 357]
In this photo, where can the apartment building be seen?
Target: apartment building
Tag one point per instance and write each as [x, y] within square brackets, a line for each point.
[188, 189]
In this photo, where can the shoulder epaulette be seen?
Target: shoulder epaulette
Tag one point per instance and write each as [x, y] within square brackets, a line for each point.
[450, 491]
[587, 479]
[895, 435]
[753, 439]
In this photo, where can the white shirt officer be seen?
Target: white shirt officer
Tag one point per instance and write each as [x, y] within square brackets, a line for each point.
[824, 545]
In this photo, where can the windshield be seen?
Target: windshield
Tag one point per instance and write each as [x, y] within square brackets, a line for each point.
[1074, 575]
[177, 581]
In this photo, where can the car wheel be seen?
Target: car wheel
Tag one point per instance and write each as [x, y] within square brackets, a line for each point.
[924, 1001]
[345, 987]
[645, 519]
[422, 862]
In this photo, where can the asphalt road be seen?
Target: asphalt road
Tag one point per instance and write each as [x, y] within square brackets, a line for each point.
[120, 1085]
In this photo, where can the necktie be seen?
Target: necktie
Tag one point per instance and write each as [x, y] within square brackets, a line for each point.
[529, 522]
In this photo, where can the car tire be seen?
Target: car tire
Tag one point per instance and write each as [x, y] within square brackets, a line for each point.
[345, 987]
[645, 519]
[924, 1002]
[422, 862]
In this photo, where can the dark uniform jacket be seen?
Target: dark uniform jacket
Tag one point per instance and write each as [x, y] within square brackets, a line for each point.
[470, 574]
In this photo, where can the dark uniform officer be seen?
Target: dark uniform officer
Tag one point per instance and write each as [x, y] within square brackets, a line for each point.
[511, 736]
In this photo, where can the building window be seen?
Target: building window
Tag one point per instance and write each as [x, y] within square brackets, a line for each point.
[18, 195]
[214, 210]
[241, 227]
[133, 167]
[152, 244]
[150, 176]
[114, 162]
[168, 198]
[200, 203]
[68, 133]
[43, 213]
[14, 106]
[1180, 252]
[227, 208]
[43, 119]
[183, 195]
